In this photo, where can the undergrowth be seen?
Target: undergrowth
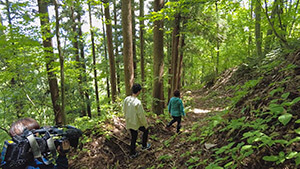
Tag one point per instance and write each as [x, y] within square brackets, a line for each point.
[260, 127]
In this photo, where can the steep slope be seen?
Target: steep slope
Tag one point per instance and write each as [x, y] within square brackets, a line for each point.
[247, 119]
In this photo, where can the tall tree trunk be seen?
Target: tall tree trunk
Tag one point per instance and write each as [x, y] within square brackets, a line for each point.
[105, 53]
[127, 45]
[169, 56]
[250, 30]
[133, 38]
[175, 52]
[218, 41]
[61, 61]
[142, 44]
[94, 60]
[181, 61]
[47, 43]
[83, 66]
[158, 61]
[116, 39]
[111, 54]
[257, 28]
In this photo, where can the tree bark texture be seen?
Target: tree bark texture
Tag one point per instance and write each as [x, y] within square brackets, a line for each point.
[158, 62]
[111, 54]
[127, 45]
[133, 39]
[116, 39]
[61, 60]
[142, 44]
[175, 52]
[48, 48]
[105, 55]
[181, 62]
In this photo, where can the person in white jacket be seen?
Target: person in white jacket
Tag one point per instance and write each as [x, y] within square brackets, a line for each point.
[135, 119]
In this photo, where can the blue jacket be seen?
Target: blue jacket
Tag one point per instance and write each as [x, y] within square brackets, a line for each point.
[61, 163]
[176, 107]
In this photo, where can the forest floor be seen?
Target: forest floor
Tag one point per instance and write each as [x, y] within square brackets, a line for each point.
[260, 127]
[166, 146]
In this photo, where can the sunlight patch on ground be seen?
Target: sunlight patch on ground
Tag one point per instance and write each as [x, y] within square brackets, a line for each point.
[204, 111]
[200, 111]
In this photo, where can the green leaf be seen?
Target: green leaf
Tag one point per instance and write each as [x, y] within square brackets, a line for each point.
[228, 164]
[297, 121]
[285, 118]
[291, 155]
[276, 90]
[296, 100]
[293, 140]
[281, 154]
[283, 142]
[246, 147]
[213, 166]
[270, 158]
[297, 160]
[222, 149]
[285, 95]
[248, 153]
[276, 109]
[297, 130]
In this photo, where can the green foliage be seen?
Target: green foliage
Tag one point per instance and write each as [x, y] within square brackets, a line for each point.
[213, 166]
[257, 132]
[84, 123]
[281, 157]
[24, 89]
[165, 157]
[285, 118]
[242, 91]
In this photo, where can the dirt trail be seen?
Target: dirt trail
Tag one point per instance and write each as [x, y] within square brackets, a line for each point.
[166, 146]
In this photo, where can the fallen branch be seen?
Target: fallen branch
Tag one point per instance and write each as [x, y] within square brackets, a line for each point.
[120, 147]
[116, 137]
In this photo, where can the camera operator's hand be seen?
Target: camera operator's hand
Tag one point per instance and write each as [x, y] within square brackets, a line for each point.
[64, 147]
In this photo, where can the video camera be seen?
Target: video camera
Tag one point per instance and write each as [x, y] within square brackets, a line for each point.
[38, 144]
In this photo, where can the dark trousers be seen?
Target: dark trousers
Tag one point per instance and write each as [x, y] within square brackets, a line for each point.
[134, 134]
[176, 119]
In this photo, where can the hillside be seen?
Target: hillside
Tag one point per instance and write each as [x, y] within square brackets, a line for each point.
[247, 119]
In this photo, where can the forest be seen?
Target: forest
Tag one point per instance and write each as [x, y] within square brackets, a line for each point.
[236, 62]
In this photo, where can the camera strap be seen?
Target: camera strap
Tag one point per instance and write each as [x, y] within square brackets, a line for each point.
[51, 145]
[35, 148]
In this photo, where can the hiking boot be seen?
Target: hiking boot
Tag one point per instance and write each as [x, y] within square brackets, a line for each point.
[147, 147]
[132, 156]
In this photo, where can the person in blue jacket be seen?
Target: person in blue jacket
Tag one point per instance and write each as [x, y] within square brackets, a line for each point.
[176, 110]
[19, 126]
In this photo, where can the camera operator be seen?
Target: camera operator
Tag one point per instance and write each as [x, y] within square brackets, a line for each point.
[19, 126]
